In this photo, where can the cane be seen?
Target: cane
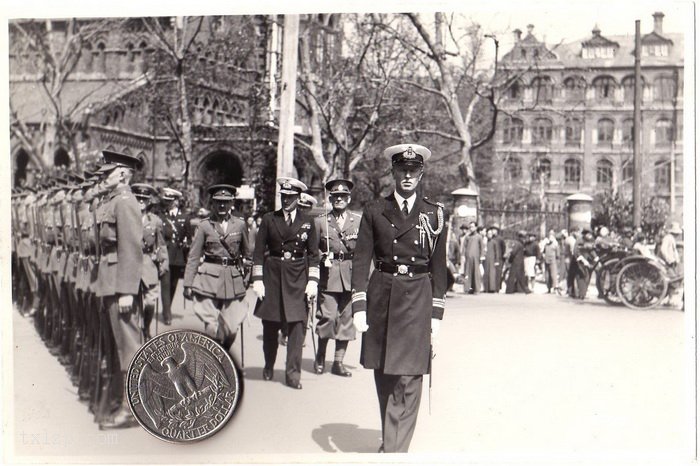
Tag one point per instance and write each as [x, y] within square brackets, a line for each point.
[311, 305]
[157, 306]
[242, 349]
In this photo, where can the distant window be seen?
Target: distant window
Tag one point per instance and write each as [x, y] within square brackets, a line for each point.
[99, 61]
[574, 128]
[543, 89]
[628, 132]
[604, 87]
[606, 128]
[514, 91]
[572, 171]
[655, 50]
[575, 89]
[664, 89]
[604, 173]
[539, 167]
[627, 171]
[662, 175]
[628, 89]
[663, 133]
[513, 169]
[513, 131]
[599, 52]
[542, 131]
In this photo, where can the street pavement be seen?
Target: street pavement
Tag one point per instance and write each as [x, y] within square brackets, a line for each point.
[516, 377]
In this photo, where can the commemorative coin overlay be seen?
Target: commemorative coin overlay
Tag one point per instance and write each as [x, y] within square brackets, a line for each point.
[182, 386]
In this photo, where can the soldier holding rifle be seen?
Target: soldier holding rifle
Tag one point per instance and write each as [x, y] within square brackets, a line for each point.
[400, 306]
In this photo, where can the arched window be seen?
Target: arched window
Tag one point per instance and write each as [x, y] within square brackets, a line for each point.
[515, 90]
[100, 62]
[628, 132]
[628, 89]
[627, 171]
[87, 57]
[61, 158]
[662, 175]
[144, 55]
[207, 115]
[513, 169]
[543, 89]
[663, 132]
[513, 131]
[574, 129]
[604, 172]
[606, 128]
[575, 88]
[664, 89]
[604, 87]
[572, 171]
[541, 167]
[542, 131]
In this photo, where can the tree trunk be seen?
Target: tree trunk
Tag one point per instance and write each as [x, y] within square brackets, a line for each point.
[186, 125]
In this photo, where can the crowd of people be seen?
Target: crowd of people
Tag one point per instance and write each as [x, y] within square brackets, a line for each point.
[481, 260]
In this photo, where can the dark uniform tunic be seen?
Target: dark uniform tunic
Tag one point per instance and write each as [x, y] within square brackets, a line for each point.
[177, 236]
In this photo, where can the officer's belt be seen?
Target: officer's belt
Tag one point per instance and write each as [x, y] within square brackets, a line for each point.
[287, 255]
[402, 269]
[343, 256]
[220, 260]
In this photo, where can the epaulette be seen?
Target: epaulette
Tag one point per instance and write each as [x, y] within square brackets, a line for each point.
[437, 203]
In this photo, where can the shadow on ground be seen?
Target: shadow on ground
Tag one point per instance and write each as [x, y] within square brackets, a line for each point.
[346, 438]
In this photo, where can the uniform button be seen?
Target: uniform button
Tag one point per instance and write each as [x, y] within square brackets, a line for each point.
[395, 257]
[415, 242]
[396, 241]
[392, 224]
[413, 259]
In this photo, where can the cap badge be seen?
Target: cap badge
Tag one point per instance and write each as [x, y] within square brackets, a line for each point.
[287, 185]
[409, 154]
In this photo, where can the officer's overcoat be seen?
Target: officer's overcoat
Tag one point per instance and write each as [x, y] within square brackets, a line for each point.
[121, 233]
[222, 281]
[339, 241]
[177, 235]
[399, 306]
[155, 253]
[285, 279]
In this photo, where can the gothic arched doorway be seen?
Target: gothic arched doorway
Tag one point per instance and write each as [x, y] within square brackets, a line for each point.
[61, 158]
[220, 166]
[20, 169]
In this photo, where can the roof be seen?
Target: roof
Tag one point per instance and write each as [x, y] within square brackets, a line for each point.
[31, 101]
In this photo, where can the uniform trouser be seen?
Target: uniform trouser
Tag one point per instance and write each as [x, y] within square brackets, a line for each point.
[126, 328]
[582, 278]
[551, 275]
[335, 316]
[168, 283]
[399, 400]
[150, 301]
[295, 341]
[221, 317]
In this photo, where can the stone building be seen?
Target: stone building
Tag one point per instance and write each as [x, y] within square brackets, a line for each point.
[567, 115]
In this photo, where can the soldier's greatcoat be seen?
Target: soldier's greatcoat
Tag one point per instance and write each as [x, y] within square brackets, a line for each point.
[285, 279]
[399, 306]
[155, 253]
[214, 280]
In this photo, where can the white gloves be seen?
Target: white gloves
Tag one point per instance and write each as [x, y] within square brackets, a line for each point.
[434, 329]
[259, 288]
[311, 289]
[360, 321]
[125, 303]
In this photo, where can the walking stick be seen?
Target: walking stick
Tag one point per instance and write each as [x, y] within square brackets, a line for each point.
[242, 349]
[157, 306]
[430, 380]
[311, 304]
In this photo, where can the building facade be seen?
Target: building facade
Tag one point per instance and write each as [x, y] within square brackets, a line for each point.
[566, 122]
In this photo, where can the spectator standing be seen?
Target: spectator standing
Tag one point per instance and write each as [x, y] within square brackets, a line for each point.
[531, 251]
[517, 281]
[492, 261]
[551, 257]
[473, 250]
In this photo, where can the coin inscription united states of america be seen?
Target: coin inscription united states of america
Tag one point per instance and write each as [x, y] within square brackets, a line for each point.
[182, 386]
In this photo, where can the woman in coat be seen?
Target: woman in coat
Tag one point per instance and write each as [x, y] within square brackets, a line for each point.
[517, 281]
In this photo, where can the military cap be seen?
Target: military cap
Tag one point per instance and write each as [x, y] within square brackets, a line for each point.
[408, 153]
[307, 200]
[290, 185]
[170, 194]
[222, 192]
[143, 190]
[116, 159]
[339, 186]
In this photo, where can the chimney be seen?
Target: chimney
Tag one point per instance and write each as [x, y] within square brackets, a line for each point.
[658, 22]
[516, 35]
[530, 27]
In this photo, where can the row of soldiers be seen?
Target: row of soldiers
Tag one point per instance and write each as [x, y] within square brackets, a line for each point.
[71, 264]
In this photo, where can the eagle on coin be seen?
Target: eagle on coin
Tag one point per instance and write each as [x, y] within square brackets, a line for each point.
[186, 384]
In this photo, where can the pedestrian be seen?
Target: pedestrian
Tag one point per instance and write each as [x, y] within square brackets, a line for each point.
[337, 233]
[551, 257]
[155, 252]
[399, 307]
[472, 252]
[517, 280]
[491, 263]
[500, 255]
[453, 259]
[285, 278]
[214, 271]
[569, 246]
[121, 263]
[177, 236]
[531, 252]
[668, 250]
[582, 265]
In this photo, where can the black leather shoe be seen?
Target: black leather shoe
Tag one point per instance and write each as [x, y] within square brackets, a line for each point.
[267, 374]
[381, 448]
[295, 385]
[168, 321]
[339, 369]
[319, 366]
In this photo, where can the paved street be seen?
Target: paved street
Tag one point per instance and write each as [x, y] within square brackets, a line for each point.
[515, 377]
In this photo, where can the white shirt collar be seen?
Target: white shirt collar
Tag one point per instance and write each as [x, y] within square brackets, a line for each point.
[293, 214]
[411, 200]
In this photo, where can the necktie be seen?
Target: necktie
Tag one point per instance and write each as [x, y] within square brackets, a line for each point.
[405, 208]
[289, 219]
[341, 221]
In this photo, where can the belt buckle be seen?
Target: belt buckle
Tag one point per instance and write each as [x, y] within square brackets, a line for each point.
[224, 261]
[287, 255]
[402, 269]
[341, 256]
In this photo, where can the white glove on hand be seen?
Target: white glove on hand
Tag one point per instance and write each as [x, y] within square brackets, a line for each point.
[259, 288]
[311, 289]
[125, 303]
[359, 320]
[434, 329]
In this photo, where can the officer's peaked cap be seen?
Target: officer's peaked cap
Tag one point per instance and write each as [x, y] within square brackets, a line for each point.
[290, 185]
[408, 153]
[118, 159]
[143, 190]
[170, 194]
[339, 186]
[222, 192]
[307, 200]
